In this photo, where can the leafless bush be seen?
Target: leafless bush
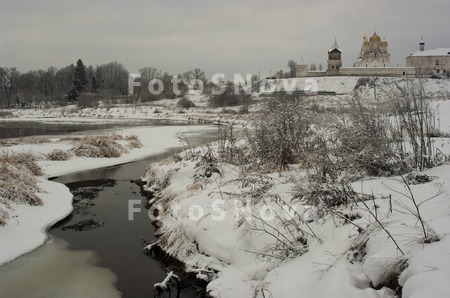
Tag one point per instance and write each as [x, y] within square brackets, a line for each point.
[185, 103]
[280, 131]
[428, 235]
[4, 216]
[17, 178]
[87, 100]
[413, 122]
[364, 143]
[98, 146]
[134, 141]
[59, 155]
[229, 149]
[5, 114]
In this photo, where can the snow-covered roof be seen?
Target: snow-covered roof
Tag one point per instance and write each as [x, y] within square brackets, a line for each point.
[335, 46]
[434, 52]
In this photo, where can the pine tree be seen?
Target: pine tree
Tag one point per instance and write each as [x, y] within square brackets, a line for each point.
[94, 87]
[79, 77]
[72, 94]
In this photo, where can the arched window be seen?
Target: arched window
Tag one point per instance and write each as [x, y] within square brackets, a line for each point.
[437, 61]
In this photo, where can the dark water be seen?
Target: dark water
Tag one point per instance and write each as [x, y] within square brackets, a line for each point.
[16, 129]
[104, 195]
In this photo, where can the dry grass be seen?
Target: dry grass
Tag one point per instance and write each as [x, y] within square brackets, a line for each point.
[5, 114]
[22, 161]
[103, 146]
[59, 155]
[25, 140]
[134, 141]
[4, 206]
[98, 146]
[17, 181]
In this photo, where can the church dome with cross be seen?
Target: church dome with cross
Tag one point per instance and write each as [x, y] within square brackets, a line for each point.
[374, 52]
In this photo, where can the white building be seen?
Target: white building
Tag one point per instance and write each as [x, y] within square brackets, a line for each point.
[374, 52]
[434, 62]
[373, 61]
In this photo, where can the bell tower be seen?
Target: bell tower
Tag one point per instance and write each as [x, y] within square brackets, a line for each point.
[334, 59]
[422, 45]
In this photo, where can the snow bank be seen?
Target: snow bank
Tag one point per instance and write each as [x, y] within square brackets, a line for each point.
[328, 270]
[204, 225]
[26, 228]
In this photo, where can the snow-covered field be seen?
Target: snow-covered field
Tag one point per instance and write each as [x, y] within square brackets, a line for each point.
[227, 225]
[165, 109]
[26, 227]
[251, 235]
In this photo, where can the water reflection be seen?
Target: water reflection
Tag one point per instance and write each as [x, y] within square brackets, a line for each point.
[53, 270]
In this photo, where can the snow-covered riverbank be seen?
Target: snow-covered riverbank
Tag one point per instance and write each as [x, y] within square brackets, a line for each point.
[25, 229]
[251, 234]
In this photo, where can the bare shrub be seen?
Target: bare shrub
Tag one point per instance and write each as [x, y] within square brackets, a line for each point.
[428, 235]
[87, 100]
[59, 155]
[230, 98]
[5, 114]
[134, 141]
[185, 103]
[17, 178]
[4, 216]
[280, 131]
[229, 150]
[414, 122]
[99, 146]
[25, 161]
[364, 143]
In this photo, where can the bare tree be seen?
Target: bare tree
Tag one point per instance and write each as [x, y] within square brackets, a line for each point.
[292, 66]
[8, 79]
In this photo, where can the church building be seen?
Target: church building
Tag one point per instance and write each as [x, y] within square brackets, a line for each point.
[374, 52]
[373, 60]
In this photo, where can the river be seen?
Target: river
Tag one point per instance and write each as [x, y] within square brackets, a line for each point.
[61, 126]
[105, 261]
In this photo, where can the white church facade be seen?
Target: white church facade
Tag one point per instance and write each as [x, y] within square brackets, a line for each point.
[374, 53]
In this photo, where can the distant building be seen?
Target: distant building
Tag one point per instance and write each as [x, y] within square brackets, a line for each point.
[434, 62]
[373, 60]
[374, 52]
[334, 60]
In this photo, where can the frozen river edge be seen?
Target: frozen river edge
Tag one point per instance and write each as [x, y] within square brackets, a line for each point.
[26, 228]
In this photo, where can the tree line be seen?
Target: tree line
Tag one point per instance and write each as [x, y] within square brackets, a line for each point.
[86, 85]
[59, 86]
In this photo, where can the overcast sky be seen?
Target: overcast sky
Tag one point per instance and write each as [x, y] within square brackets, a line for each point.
[223, 36]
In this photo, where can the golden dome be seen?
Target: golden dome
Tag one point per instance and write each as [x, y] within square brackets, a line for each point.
[375, 37]
[384, 42]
